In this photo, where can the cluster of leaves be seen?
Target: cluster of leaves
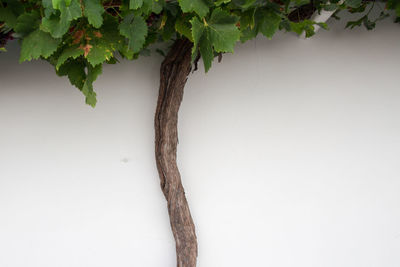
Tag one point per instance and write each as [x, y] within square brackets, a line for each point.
[79, 36]
[366, 8]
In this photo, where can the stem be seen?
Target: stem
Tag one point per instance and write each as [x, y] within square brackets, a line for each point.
[173, 75]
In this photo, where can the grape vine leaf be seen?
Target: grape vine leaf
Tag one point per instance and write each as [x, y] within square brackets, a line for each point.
[26, 23]
[58, 3]
[7, 16]
[269, 22]
[94, 12]
[220, 2]
[206, 51]
[197, 33]
[394, 4]
[183, 27]
[75, 70]
[48, 8]
[78, 36]
[100, 51]
[110, 34]
[220, 33]
[151, 6]
[135, 29]
[248, 25]
[58, 26]
[244, 4]
[223, 30]
[87, 89]
[198, 6]
[38, 44]
[135, 4]
[306, 25]
[72, 52]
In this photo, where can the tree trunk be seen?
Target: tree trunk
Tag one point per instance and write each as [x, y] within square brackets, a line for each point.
[173, 75]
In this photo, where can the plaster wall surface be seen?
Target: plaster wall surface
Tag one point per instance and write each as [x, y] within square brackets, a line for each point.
[289, 152]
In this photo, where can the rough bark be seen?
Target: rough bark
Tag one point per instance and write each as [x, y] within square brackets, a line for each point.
[173, 75]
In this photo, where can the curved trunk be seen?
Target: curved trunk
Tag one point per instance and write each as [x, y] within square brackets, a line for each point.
[173, 75]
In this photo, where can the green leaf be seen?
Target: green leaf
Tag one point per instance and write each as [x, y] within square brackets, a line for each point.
[87, 89]
[94, 12]
[7, 16]
[244, 4]
[197, 33]
[219, 34]
[395, 5]
[269, 22]
[38, 44]
[54, 26]
[110, 35]
[248, 34]
[248, 28]
[220, 2]
[151, 6]
[135, 29]
[26, 23]
[356, 23]
[202, 42]
[302, 2]
[223, 30]
[126, 53]
[306, 25]
[48, 8]
[72, 52]
[206, 51]
[75, 70]
[323, 25]
[135, 4]
[156, 6]
[17, 7]
[330, 7]
[198, 6]
[100, 52]
[309, 30]
[353, 3]
[369, 25]
[168, 29]
[58, 26]
[57, 3]
[183, 27]
[104, 42]
[91, 97]
[248, 18]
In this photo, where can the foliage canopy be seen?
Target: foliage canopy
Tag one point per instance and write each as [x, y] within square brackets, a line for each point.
[78, 36]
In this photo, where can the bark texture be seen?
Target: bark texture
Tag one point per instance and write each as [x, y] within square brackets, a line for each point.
[173, 75]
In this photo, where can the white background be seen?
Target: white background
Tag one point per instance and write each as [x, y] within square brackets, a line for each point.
[289, 152]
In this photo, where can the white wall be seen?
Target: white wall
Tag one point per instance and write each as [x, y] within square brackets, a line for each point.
[289, 150]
